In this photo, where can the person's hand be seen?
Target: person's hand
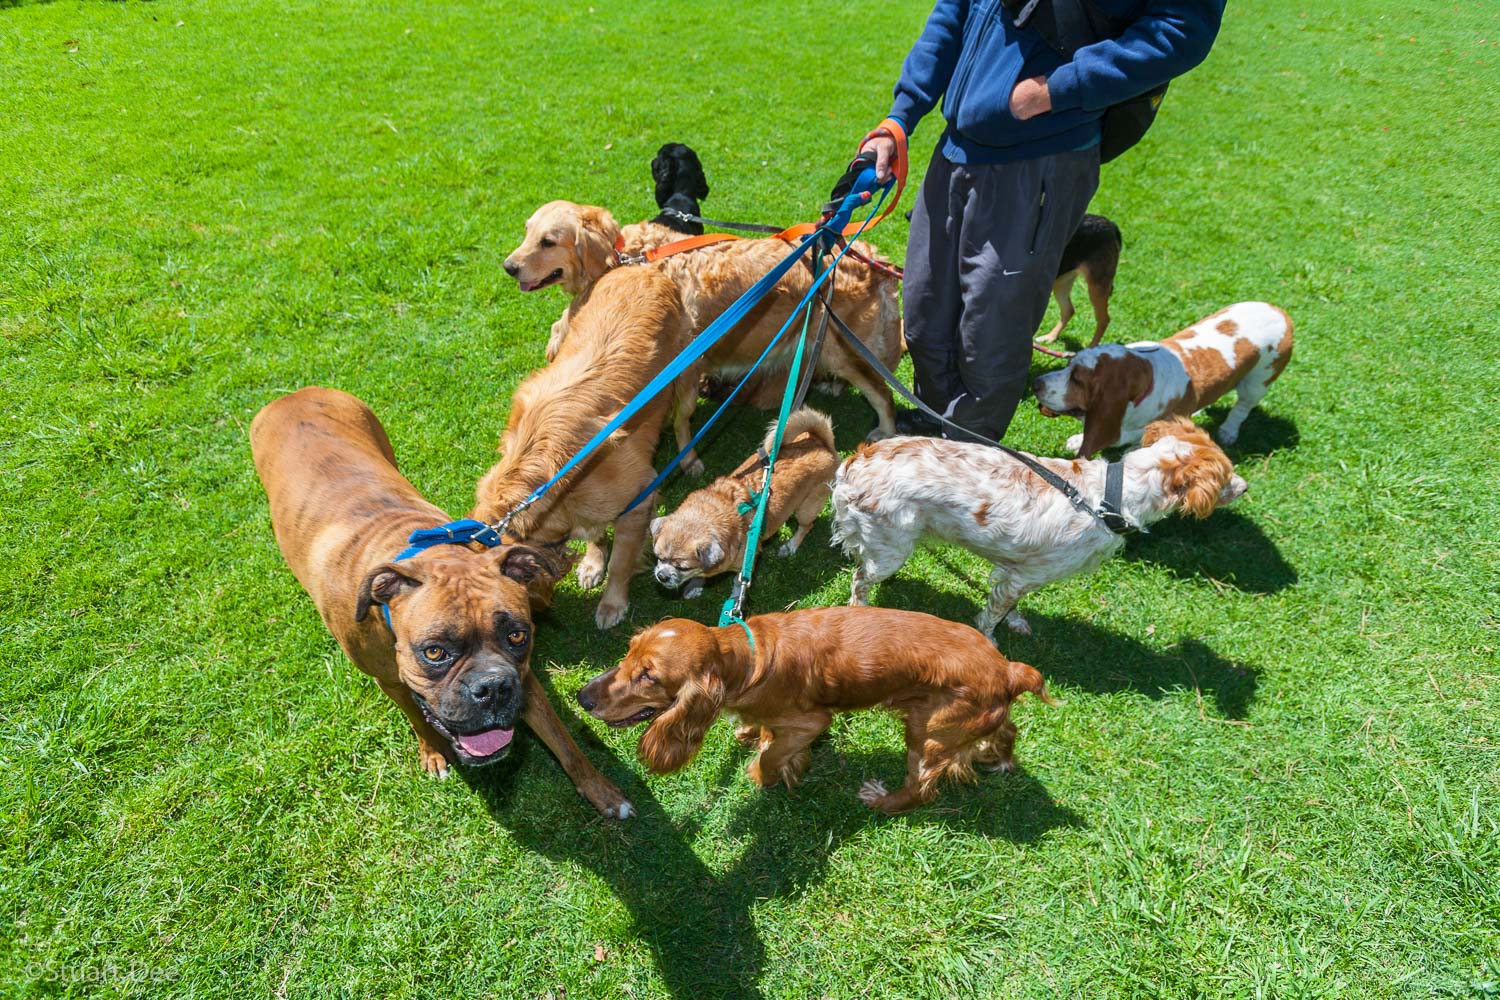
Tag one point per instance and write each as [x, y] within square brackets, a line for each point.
[885, 154]
[1030, 98]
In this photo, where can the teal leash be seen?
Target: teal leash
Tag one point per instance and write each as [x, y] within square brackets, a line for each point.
[731, 613]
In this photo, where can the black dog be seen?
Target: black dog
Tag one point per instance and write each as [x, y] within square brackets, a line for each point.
[680, 185]
[1093, 250]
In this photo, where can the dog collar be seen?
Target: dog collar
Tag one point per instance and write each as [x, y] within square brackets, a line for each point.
[1111, 511]
[460, 532]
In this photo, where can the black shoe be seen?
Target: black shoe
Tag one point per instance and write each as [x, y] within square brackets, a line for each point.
[915, 423]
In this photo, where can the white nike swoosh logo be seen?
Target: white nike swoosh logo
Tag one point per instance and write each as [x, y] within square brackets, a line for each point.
[1008, 273]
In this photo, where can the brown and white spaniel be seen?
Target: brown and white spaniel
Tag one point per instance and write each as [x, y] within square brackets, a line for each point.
[891, 495]
[1116, 390]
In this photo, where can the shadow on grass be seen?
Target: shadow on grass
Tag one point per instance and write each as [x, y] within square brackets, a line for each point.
[1261, 434]
[698, 923]
[1078, 653]
[1227, 548]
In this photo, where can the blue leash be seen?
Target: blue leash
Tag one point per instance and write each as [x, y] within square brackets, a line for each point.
[671, 466]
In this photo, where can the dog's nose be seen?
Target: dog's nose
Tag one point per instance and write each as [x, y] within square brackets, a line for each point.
[488, 692]
[1036, 387]
[585, 701]
[511, 269]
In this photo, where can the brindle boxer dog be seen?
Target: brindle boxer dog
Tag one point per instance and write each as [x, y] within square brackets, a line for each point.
[458, 663]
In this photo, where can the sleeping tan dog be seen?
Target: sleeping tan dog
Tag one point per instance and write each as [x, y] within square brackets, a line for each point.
[706, 534]
[573, 245]
[446, 633]
[624, 330]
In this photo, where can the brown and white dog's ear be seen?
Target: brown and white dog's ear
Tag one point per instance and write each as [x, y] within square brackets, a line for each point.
[594, 242]
[674, 736]
[1116, 382]
[1200, 480]
[1101, 426]
[381, 585]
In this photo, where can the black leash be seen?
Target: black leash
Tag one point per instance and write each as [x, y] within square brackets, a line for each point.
[751, 227]
[1108, 513]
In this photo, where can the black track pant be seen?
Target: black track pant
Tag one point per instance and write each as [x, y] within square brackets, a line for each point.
[985, 243]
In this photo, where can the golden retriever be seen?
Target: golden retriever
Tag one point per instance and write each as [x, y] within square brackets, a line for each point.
[624, 330]
[573, 246]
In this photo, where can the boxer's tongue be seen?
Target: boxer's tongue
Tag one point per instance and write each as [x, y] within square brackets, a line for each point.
[483, 744]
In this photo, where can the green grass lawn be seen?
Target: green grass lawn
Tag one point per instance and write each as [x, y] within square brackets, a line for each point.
[1275, 770]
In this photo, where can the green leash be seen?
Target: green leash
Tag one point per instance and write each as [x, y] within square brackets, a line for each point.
[731, 612]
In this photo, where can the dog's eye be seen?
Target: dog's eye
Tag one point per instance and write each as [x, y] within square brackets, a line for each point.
[435, 654]
[645, 678]
[547, 243]
[1073, 377]
[516, 637]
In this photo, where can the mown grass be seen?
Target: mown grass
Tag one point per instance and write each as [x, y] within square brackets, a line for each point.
[1275, 769]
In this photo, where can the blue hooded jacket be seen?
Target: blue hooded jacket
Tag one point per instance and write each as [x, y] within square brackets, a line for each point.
[971, 55]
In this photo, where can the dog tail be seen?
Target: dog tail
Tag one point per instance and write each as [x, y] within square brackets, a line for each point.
[804, 421]
[1023, 678]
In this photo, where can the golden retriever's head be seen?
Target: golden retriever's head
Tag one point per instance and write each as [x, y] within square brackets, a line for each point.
[566, 244]
[669, 678]
[1197, 475]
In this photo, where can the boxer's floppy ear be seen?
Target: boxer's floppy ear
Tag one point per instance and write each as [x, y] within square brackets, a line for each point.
[382, 584]
[525, 564]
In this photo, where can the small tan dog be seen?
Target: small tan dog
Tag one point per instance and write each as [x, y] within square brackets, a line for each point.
[456, 654]
[953, 689]
[705, 535]
[575, 245]
[626, 328]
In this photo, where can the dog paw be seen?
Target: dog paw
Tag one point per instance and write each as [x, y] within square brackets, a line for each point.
[1074, 443]
[788, 548]
[591, 570]
[878, 434]
[692, 588]
[613, 805]
[1228, 435]
[757, 774]
[748, 735]
[610, 613]
[693, 465]
[1017, 624]
[830, 386]
[433, 761]
[871, 792]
